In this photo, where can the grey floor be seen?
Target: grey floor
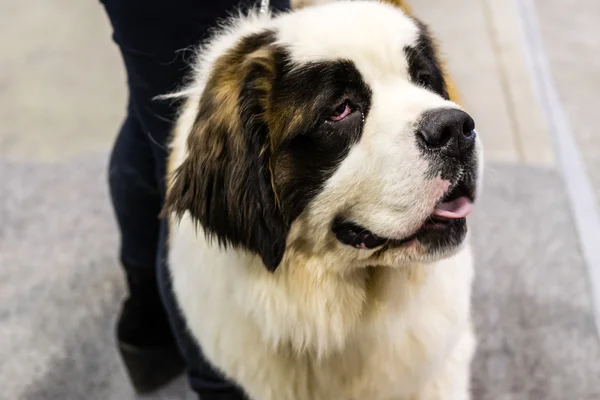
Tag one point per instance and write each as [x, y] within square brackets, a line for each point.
[60, 285]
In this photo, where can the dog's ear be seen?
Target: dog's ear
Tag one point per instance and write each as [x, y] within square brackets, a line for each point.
[225, 182]
[452, 91]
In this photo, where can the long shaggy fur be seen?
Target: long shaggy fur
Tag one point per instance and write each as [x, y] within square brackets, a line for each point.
[258, 174]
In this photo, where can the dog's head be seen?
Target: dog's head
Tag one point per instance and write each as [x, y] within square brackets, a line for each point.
[328, 129]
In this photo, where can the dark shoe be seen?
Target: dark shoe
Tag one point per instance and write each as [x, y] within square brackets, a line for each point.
[145, 339]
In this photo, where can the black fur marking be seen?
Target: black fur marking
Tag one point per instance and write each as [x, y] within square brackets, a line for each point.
[314, 146]
[423, 64]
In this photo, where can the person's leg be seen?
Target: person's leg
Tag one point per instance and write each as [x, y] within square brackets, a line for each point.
[151, 35]
[204, 379]
[143, 332]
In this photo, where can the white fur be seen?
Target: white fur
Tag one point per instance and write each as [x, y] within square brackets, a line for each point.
[335, 322]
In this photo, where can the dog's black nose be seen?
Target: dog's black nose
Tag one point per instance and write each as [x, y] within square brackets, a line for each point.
[449, 130]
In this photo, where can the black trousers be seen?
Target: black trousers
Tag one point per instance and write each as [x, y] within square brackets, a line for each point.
[155, 39]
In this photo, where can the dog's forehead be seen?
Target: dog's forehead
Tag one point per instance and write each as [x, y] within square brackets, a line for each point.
[371, 34]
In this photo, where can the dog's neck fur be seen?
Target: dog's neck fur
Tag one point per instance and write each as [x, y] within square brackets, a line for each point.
[322, 300]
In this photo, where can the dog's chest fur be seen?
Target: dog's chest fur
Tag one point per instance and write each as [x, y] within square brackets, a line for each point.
[379, 334]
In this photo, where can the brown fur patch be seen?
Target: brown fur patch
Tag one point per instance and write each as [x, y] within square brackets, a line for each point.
[259, 149]
[225, 182]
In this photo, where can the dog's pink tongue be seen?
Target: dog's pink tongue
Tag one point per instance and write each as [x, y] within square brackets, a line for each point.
[454, 209]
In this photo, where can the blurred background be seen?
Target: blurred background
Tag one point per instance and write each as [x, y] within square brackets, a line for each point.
[527, 70]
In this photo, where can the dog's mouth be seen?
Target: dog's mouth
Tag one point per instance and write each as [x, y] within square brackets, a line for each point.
[450, 213]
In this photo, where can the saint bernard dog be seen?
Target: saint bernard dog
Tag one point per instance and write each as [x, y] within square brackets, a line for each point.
[319, 182]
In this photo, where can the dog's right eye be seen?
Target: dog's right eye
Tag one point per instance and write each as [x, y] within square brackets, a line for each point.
[341, 111]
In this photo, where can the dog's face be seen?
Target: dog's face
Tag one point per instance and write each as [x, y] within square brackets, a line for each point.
[329, 129]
